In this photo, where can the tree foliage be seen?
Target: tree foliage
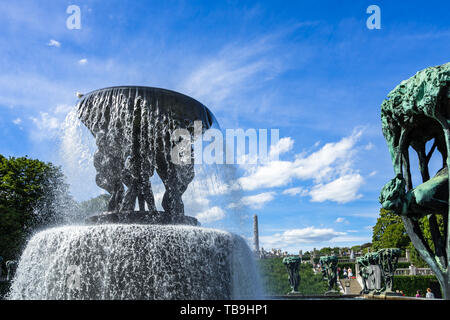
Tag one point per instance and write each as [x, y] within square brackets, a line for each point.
[33, 195]
[95, 205]
[389, 232]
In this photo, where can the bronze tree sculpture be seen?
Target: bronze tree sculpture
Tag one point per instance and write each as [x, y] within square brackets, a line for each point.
[417, 111]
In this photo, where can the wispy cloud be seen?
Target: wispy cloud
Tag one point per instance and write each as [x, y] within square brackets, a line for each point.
[17, 121]
[241, 66]
[295, 191]
[46, 126]
[255, 201]
[300, 236]
[211, 215]
[54, 43]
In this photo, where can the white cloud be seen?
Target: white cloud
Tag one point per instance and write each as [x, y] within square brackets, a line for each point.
[356, 240]
[211, 215]
[47, 126]
[17, 121]
[340, 220]
[329, 168]
[295, 191]
[369, 146]
[299, 236]
[63, 109]
[284, 145]
[342, 190]
[256, 201]
[83, 61]
[369, 214]
[54, 43]
[272, 174]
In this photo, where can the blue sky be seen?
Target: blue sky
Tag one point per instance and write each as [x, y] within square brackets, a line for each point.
[311, 69]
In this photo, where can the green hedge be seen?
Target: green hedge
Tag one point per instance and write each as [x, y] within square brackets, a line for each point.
[276, 281]
[402, 265]
[410, 284]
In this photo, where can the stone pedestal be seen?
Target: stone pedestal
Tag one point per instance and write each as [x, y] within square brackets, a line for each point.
[142, 217]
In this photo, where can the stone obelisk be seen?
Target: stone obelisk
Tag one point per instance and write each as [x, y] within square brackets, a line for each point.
[255, 234]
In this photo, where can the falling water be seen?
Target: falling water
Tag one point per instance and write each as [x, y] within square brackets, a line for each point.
[136, 262]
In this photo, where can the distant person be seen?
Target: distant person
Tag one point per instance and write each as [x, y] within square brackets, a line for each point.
[350, 273]
[418, 294]
[429, 295]
[345, 273]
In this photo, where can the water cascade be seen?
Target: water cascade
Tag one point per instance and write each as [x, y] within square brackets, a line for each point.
[134, 251]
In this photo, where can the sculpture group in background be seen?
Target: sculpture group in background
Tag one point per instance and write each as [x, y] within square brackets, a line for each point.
[292, 264]
[11, 266]
[133, 128]
[416, 113]
[273, 253]
[328, 265]
[377, 270]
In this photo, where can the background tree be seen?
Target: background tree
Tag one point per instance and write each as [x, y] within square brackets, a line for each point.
[95, 205]
[424, 224]
[326, 251]
[356, 248]
[389, 232]
[33, 195]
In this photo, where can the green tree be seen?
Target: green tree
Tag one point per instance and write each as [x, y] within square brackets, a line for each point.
[33, 195]
[389, 232]
[95, 205]
[326, 251]
[424, 224]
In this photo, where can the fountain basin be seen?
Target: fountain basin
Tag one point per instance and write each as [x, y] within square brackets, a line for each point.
[139, 262]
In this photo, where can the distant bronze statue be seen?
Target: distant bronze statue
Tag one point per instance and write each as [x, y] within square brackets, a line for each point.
[383, 260]
[417, 111]
[1, 267]
[11, 267]
[292, 264]
[388, 259]
[329, 269]
[365, 272]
